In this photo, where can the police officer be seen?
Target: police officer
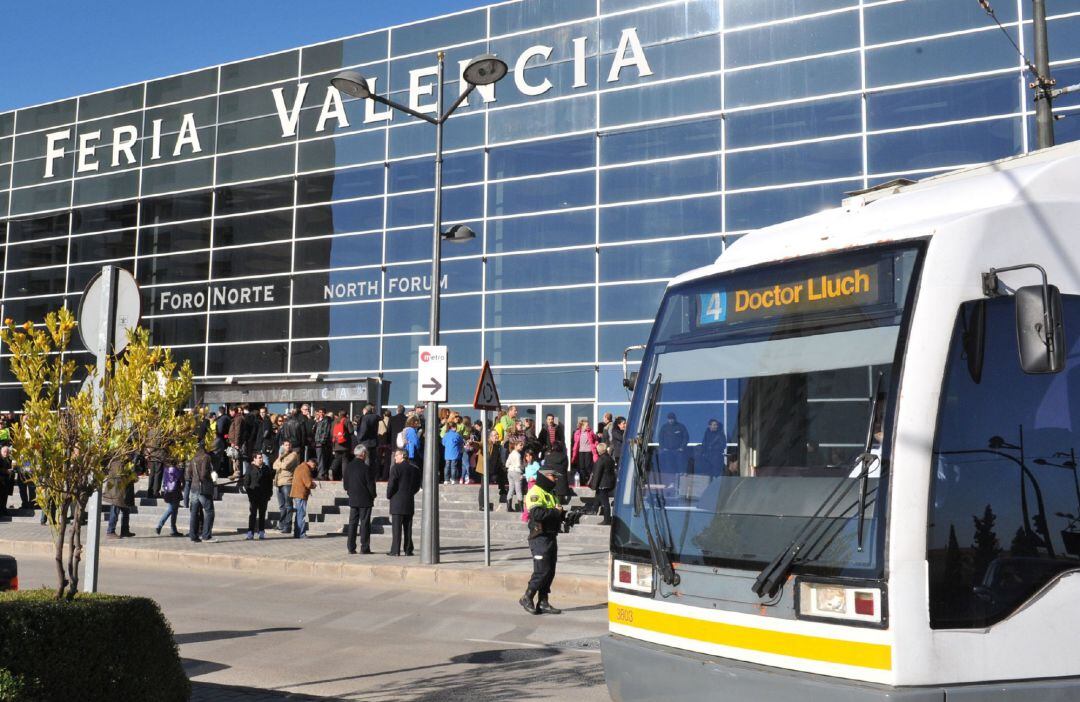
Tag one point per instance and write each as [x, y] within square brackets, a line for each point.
[545, 520]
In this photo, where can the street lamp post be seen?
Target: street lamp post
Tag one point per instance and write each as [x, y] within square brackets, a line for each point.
[481, 71]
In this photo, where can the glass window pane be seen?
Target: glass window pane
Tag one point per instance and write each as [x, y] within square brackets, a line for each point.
[541, 269]
[339, 252]
[740, 12]
[419, 174]
[777, 42]
[102, 217]
[541, 231]
[249, 326]
[249, 134]
[517, 384]
[937, 58]
[252, 261]
[256, 164]
[614, 339]
[174, 238]
[41, 199]
[339, 185]
[662, 179]
[536, 157]
[650, 143]
[536, 195]
[444, 31]
[343, 285]
[362, 147]
[335, 355]
[251, 229]
[105, 188]
[459, 204]
[943, 146]
[345, 52]
[662, 260]
[790, 164]
[541, 307]
[336, 320]
[38, 227]
[554, 345]
[111, 102]
[173, 269]
[44, 116]
[178, 176]
[260, 70]
[247, 359]
[903, 20]
[820, 118]
[955, 100]
[789, 81]
[542, 119]
[650, 102]
[361, 215]
[626, 302]
[457, 312]
[762, 208]
[518, 16]
[44, 281]
[177, 330]
[52, 252]
[172, 208]
[651, 220]
[181, 87]
[256, 196]
[99, 247]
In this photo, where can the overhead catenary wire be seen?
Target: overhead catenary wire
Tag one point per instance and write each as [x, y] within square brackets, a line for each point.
[985, 5]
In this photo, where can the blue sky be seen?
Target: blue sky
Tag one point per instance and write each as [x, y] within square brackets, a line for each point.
[54, 49]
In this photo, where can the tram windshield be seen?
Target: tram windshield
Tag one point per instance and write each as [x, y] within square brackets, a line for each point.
[764, 383]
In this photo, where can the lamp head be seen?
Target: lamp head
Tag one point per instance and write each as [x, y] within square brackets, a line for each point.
[485, 70]
[459, 233]
[351, 83]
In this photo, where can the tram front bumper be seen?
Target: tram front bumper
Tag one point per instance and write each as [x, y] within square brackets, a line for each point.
[638, 670]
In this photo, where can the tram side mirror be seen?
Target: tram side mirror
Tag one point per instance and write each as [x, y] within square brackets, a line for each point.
[1040, 333]
[630, 381]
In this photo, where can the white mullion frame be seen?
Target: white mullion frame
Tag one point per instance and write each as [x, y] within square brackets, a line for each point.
[596, 220]
[385, 215]
[213, 214]
[7, 221]
[1023, 80]
[863, 96]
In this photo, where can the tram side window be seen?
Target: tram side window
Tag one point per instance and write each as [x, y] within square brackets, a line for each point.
[1005, 492]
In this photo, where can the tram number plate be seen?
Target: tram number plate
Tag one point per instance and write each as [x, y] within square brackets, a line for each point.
[624, 615]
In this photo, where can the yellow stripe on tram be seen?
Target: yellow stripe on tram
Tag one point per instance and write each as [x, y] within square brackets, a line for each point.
[817, 648]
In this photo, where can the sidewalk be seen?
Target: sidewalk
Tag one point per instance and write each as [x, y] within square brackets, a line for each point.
[581, 572]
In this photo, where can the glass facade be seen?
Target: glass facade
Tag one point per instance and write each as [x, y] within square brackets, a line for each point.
[278, 228]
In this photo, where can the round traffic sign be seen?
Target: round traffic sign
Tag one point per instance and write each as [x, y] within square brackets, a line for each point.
[128, 310]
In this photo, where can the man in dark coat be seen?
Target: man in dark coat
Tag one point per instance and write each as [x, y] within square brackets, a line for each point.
[221, 431]
[550, 434]
[367, 432]
[603, 481]
[119, 495]
[293, 432]
[405, 481]
[202, 495]
[308, 423]
[236, 438]
[359, 482]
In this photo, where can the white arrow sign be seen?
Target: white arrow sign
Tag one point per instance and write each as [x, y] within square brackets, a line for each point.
[431, 374]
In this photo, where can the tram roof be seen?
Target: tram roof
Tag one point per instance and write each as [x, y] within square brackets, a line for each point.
[895, 212]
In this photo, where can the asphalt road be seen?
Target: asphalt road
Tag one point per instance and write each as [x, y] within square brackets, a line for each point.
[253, 638]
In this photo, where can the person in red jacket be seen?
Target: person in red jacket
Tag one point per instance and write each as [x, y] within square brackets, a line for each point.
[583, 451]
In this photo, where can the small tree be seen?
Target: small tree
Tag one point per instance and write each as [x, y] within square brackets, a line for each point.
[69, 440]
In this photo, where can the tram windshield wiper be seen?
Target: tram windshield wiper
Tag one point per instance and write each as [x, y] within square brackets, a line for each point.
[658, 552]
[772, 576]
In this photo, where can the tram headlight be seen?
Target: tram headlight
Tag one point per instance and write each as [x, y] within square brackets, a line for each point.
[637, 577]
[840, 601]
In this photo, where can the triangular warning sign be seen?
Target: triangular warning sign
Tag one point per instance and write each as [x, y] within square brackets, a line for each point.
[487, 396]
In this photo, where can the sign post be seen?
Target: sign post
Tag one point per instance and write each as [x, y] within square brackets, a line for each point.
[110, 306]
[486, 400]
[431, 390]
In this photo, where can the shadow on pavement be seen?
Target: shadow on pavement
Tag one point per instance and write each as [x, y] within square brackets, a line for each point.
[209, 692]
[221, 635]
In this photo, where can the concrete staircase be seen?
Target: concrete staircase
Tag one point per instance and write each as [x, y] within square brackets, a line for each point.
[460, 517]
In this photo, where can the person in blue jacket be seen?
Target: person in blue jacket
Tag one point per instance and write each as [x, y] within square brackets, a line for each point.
[453, 449]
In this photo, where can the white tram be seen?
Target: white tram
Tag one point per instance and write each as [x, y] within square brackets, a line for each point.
[851, 460]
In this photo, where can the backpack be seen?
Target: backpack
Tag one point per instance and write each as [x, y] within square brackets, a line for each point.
[341, 437]
[400, 440]
[171, 483]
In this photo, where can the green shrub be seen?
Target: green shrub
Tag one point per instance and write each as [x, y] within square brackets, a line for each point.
[95, 647]
[12, 687]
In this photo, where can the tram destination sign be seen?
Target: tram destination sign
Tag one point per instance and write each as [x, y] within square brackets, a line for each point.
[836, 290]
